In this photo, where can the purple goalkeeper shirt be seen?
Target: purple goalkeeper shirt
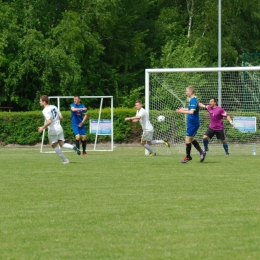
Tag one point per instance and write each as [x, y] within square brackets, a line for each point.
[216, 117]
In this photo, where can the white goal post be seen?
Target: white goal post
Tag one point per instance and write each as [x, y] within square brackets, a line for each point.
[238, 93]
[96, 124]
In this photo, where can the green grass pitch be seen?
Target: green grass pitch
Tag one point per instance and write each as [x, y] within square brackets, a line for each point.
[125, 205]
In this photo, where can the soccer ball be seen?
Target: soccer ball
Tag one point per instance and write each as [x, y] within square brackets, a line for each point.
[161, 118]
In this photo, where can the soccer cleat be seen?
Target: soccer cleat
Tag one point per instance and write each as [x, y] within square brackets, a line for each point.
[152, 154]
[66, 161]
[76, 150]
[83, 154]
[206, 150]
[202, 156]
[186, 159]
[227, 153]
[166, 144]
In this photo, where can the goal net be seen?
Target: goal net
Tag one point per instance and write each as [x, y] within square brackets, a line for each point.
[99, 125]
[236, 89]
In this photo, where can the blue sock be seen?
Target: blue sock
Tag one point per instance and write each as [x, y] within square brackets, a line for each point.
[206, 144]
[225, 146]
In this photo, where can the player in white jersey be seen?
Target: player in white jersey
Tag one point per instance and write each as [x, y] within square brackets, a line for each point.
[55, 132]
[148, 130]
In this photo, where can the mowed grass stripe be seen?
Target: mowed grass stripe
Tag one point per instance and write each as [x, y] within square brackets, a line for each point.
[124, 205]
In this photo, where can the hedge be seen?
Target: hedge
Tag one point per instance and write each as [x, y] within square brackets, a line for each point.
[22, 127]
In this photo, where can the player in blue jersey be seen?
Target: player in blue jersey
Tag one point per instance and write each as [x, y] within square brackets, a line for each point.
[78, 117]
[193, 123]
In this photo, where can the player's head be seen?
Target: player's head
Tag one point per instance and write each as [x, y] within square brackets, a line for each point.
[44, 100]
[213, 102]
[76, 99]
[138, 104]
[190, 91]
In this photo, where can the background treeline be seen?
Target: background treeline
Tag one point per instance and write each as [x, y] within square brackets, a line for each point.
[102, 47]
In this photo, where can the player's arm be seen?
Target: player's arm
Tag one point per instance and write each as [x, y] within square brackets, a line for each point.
[225, 114]
[78, 109]
[47, 123]
[230, 120]
[184, 110]
[83, 120]
[60, 115]
[201, 105]
[133, 118]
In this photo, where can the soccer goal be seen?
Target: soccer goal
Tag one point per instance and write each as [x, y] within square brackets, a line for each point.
[237, 89]
[100, 127]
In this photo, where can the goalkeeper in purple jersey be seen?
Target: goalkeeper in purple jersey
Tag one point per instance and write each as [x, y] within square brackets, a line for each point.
[216, 126]
[78, 117]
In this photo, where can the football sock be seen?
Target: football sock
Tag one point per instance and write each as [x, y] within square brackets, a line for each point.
[157, 141]
[225, 146]
[206, 144]
[84, 144]
[197, 146]
[60, 153]
[188, 149]
[66, 145]
[77, 144]
[149, 148]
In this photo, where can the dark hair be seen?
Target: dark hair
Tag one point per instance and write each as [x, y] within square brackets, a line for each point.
[45, 99]
[77, 96]
[214, 100]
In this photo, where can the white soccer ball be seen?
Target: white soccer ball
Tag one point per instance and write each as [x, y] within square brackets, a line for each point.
[161, 118]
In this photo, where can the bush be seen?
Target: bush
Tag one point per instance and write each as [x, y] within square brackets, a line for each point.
[22, 127]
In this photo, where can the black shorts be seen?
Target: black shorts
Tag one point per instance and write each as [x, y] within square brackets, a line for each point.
[220, 134]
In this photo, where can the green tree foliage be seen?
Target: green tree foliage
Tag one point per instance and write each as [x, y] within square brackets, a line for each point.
[97, 47]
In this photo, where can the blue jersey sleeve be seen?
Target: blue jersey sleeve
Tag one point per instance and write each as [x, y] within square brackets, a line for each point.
[193, 105]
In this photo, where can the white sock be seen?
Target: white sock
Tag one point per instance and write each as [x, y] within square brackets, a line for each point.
[60, 153]
[66, 145]
[157, 141]
[149, 148]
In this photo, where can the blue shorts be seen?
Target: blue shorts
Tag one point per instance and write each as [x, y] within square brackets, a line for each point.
[191, 130]
[79, 130]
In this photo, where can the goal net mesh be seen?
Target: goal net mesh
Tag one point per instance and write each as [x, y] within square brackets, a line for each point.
[240, 97]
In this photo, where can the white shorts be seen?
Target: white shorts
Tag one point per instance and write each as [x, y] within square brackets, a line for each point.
[55, 138]
[147, 136]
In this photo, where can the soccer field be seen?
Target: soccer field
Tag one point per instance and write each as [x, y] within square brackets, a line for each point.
[125, 205]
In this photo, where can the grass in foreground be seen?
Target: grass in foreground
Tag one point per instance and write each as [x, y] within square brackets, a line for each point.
[124, 205]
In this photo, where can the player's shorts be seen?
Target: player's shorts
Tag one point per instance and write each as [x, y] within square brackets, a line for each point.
[220, 134]
[147, 136]
[191, 130]
[79, 130]
[55, 138]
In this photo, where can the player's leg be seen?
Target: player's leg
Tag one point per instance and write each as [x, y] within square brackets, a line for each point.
[188, 157]
[188, 140]
[54, 140]
[208, 135]
[77, 142]
[146, 141]
[161, 142]
[191, 132]
[75, 130]
[221, 135]
[82, 131]
[62, 144]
